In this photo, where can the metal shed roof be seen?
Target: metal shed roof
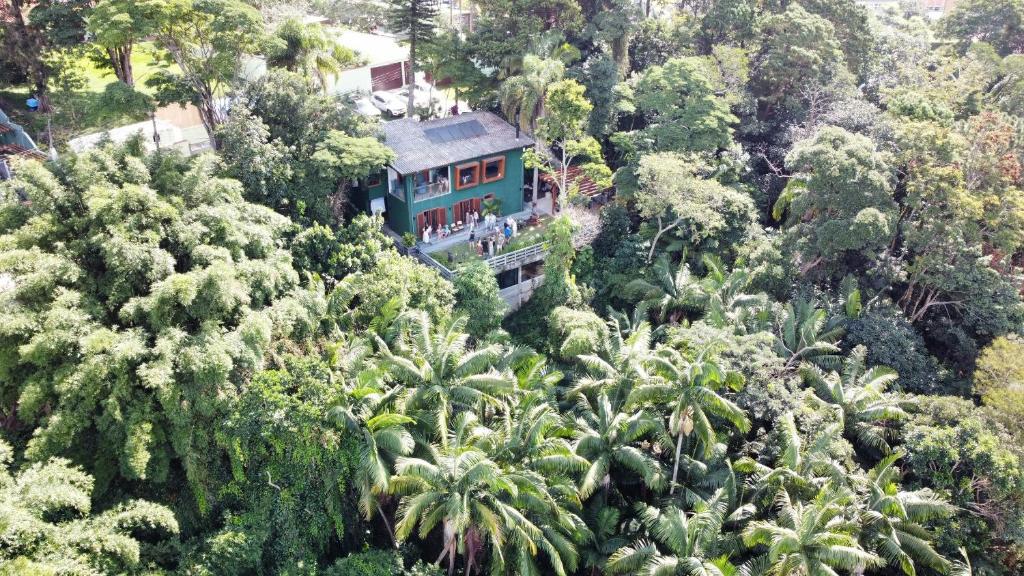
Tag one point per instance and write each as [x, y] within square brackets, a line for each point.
[424, 145]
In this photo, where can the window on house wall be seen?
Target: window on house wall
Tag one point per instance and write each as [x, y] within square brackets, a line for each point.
[396, 184]
[373, 180]
[494, 169]
[467, 175]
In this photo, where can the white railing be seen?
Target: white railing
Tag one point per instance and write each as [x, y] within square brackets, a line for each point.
[517, 258]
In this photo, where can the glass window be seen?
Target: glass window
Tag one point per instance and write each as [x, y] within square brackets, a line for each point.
[467, 175]
[396, 184]
[494, 168]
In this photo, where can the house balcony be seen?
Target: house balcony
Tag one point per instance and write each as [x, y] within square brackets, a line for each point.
[432, 190]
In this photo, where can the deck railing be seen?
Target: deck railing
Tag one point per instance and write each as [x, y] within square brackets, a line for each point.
[516, 258]
[427, 259]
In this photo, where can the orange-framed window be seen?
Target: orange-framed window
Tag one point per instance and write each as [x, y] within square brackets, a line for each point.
[493, 169]
[467, 175]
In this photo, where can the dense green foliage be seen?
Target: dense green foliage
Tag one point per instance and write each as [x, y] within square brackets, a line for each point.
[789, 346]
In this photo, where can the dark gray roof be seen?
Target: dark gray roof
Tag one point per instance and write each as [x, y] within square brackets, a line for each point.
[423, 145]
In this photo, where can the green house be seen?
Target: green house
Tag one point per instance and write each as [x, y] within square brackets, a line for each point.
[446, 168]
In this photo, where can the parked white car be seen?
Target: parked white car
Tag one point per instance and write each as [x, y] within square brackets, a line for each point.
[388, 102]
[365, 107]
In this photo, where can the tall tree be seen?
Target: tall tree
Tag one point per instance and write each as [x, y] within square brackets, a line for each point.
[444, 374]
[166, 254]
[840, 201]
[31, 29]
[894, 519]
[799, 53]
[609, 437]
[473, 499]
[678, 192]
[683, 111]
[117, 26]
[691, 391]
[49, 527]
[370, 411]
[565, 126]
[522, 96]
[416, 20]
[208, 40]
[680, 544]
[998, 22]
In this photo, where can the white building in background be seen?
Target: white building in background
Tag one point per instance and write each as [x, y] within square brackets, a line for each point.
[179, 128]
[386, 63]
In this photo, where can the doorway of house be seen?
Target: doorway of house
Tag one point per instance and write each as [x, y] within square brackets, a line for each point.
[436, 218]
[463, 208]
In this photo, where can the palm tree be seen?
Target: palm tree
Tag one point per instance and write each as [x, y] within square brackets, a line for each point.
[368, 412]
[623, 360]
[306, 48]
[679, 544]
[805, 333]
[671, 293]
[812, 539]
[602, 538]
[892, 520]
[690, 390]
[858, 398]
[476, 503]
[531, 370]
[533, 435]
[522, 96]
[441, 371]
[607, 438]
[725, 300]
[800, 470]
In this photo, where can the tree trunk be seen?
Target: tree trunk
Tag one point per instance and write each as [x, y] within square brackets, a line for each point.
[208, 113]
[654, 241]
[411, 104]
[121, 60]
[565, 178]
[391, 531]
[620, 53]
[675, 467]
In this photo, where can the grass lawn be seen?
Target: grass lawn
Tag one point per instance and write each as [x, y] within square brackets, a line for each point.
[82, 111]
[463, 252]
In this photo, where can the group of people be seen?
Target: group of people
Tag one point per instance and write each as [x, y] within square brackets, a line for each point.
[494, 237]
[486, 237]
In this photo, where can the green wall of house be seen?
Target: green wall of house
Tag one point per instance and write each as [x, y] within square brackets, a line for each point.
[400, 219]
